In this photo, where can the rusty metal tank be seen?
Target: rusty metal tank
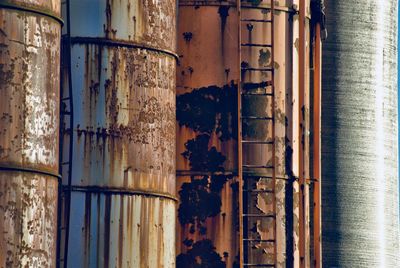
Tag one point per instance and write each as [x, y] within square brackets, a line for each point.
[360, 203]
[123, 203]
[29, 120]
[207, 78]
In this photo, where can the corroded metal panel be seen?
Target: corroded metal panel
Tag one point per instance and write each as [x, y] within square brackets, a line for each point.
[123, 81]
[147, 23]
[203, 86]
[29, 116]
[28, 219]
[121, 231]
[124, 100]
[359, 135]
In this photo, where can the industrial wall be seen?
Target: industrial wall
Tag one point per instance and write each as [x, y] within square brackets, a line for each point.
[207, 77]
[29, 122]
[359, 135]
[123, 205]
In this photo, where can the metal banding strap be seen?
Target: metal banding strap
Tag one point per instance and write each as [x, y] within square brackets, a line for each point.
[186, 173]
[30, 170]
[249, 6]
[119, 43]
[49, 14]
[118, 191]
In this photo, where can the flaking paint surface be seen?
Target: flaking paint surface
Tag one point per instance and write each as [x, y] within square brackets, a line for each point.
[29, 116]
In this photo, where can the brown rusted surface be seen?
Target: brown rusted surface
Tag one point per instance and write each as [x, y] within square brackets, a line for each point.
[45, 6]
[123, 81]
[210, 28]
[29, 116]
[28, 216]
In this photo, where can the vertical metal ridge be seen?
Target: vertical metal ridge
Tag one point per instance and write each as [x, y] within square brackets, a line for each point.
[240, 145]
[273, 135]
[317, 148]
[301, 111]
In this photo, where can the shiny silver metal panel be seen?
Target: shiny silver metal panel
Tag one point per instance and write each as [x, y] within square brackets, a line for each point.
[359, 135]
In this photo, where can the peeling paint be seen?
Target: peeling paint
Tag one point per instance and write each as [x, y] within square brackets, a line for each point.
[29, 116]
[123, 80]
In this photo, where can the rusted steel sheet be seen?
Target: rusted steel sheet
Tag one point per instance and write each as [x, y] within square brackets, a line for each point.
[360, 202]
[121, 231]
[210, 28]
[123, 80]
[145, 23]
[124, 101]
[29, 116]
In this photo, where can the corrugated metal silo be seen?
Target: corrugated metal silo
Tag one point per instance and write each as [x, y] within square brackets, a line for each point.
[359, 135]
[123, 204]
[29, 116]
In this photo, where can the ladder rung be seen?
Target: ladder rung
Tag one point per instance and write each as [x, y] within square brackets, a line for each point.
[257, 117]
[65, 163]
[257, 166]
[258, 265]
[259, 191]
[257, 142]
[255, 45]
[258, 69]
[258, 94]
[254, 20]
[259, 240]
[259, 215]
[66, 98]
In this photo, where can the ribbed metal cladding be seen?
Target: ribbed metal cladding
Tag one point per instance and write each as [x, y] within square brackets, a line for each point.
[359, 135]
[29, 114]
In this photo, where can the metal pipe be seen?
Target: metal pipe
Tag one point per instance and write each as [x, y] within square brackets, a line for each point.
[239, 137]
[317, 147]
[359, 135]
[29, 120]
[301, 132]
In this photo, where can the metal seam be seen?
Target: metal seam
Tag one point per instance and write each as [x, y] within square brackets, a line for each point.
[263, 7]
[30, 170]
[119, 191]
[49, 14]
[119, 43]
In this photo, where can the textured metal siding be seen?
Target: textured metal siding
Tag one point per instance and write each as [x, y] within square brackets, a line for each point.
[29, 116]
[359, 135]
[123, 206]
[207, 45]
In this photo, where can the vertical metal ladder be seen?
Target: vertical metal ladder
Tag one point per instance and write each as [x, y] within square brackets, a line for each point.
[65, 155]
[247, 188]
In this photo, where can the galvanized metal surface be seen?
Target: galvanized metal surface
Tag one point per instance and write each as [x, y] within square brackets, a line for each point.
[123, 79]
[210, 28]
[359, 135]
[29, 112]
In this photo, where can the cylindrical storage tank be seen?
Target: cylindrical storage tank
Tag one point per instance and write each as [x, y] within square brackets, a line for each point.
[123, 204]
[207, 78]
[29, 120]
[360, 223]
